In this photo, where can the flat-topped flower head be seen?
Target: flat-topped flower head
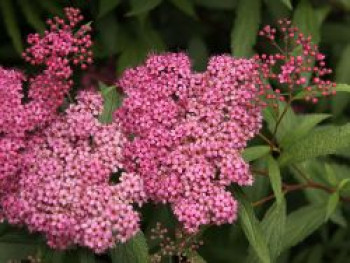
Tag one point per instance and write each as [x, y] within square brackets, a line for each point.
[188, 132]
[64, 190]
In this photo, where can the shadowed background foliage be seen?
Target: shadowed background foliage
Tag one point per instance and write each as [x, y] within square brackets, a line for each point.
[125, 31]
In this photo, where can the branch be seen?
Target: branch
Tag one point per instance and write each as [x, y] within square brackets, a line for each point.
[287, 188]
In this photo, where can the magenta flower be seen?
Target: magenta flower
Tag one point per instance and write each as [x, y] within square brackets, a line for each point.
[188, 132]
[64, 189]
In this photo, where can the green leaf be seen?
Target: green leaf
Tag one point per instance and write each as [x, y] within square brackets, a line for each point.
[332, 204]
[336, 33]
[106, 6]
[134, 250]
[186, 6]
[309, 21]
[277, 9]
[288, 122]
[136, 50]
[255, 152]
[222, 4]
[302, 223]
[338, 88]
[198, 52]
[338, 218]
[342, 88]
[10, 252]
[131, 56]
[304, 124]
[321, 141]
[340, 101]
[330, 174]
[16, 244]
[343, 183]
[71, 256]
[246, 26]
[270, 118]
[18, 237]
[273, 226]
[316, 254]
[10, 21]
[306, 20]
[86, 256]
[109, 42]
[52, 7]
[32, 15]
[287, 3]
[111, 102]
[140, 7]
[252, 229]
[194, 257]
[275, 178]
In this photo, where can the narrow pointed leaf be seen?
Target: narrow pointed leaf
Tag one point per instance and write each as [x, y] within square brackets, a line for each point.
[106, 6]
[9, 252]
[319, 142]
[199, 53]
[305, 19]
[332, 204]
[222, 4]
[342, 88]
[252, 229]
[32, 15]
[302, 223]
[304, 125]
[255, 152]
[111, 101]
[246, 26]
[194, 257]
[141, 7]
[185, 6]
[273, 226]
[287, 3]
[52, 7]
[339, 88]
[10, 21]
[134, 250]
[275, 178]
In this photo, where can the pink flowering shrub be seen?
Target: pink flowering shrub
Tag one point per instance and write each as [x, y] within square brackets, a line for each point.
[64, 190]
[189, 130]
[13, 125]
[56, 168]
[78, 173]
[24, 115]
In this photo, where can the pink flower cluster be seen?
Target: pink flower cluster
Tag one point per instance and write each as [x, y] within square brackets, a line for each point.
[65, 45]
[14, 123]
[176, 139]
[56, 167]
[23, 115]
[295, 61]
[188, 132]
[64, 189]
